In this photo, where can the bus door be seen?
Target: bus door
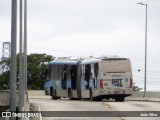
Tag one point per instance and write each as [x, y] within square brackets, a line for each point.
[87, 75]
[64, 76]
[73, 74]
[72, 93]
[94, 75]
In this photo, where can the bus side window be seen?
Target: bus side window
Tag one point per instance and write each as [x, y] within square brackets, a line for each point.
[92, 72]
[73, 76]
[52, 72]
[59, 72]
[56, 72]
[95, 74]
[96, 69]
[83, 71]
[87, 74]
[64, 76]
[68, 72]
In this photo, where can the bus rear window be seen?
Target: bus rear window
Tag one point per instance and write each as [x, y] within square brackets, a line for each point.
[113, 65]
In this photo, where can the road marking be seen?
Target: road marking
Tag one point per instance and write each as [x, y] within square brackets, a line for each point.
[39, 109]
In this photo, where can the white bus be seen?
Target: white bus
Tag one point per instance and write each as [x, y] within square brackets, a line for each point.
[89, 78]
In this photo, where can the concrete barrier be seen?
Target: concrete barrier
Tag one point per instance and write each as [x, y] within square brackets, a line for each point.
[5, 98]
[150, 96]
[137, 95]
[37, 94]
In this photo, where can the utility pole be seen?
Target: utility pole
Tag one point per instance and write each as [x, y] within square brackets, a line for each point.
[25, 44]
[21, 80]
[145, 66]
[13, 72]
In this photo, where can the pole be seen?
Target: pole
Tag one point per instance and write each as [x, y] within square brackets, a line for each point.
[145, 66]
[145, 74]
[21, 88]
[13, 58]
[25, 43]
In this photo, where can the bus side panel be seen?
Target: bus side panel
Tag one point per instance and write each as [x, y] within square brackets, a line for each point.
[85, 94]
[83, 85]
[62, 92]
[74, 93]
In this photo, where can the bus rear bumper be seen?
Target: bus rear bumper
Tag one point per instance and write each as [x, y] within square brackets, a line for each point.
[112, 93]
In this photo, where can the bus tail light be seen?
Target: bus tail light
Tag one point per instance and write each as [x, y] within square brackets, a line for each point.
[101, 84]
[131, 83]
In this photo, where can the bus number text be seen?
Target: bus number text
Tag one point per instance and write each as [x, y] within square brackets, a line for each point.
[116, 81]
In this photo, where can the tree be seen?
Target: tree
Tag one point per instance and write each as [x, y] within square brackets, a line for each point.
[4, 80]
[4, 77]
[36, 65]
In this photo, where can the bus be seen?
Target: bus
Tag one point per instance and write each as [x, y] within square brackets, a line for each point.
[91, 78]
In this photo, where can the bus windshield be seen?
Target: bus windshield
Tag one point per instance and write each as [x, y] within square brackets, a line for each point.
[115, 65]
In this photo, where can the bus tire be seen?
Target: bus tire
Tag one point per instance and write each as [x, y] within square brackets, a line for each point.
[91, 96]
[70, 94]
[121, 99]
[117, 99]
[54, 95]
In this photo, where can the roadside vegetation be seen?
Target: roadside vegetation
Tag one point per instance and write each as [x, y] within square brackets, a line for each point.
[36, 66]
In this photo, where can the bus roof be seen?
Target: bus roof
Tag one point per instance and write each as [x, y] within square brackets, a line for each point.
[90, 61]
[112, 58]
[62, 61]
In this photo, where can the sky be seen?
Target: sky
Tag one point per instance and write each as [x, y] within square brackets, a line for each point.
[89, 28]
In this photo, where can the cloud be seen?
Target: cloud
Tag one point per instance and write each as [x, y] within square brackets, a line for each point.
[87, 26]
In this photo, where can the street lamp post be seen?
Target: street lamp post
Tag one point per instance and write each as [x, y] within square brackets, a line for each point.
[145, 67]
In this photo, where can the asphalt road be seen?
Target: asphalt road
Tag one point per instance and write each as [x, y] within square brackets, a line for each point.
[48, 104]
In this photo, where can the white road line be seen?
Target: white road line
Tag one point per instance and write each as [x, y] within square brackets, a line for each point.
[39, 109]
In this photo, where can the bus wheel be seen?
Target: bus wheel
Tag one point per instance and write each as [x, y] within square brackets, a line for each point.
[54, 95]
[117, 99]
[91, 96]
[70, 94]
[121, 99]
